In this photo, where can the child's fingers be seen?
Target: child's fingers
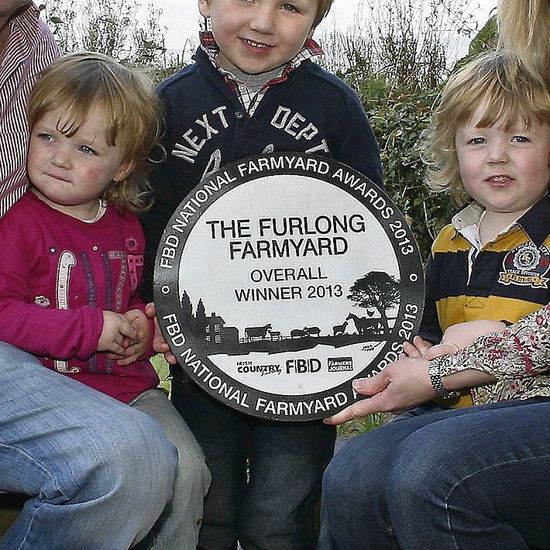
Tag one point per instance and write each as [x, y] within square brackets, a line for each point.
[421, 345]
[127, 330]
[409, 350]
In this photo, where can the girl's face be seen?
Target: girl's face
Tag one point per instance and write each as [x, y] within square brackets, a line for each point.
[71, 173]
[504, 170]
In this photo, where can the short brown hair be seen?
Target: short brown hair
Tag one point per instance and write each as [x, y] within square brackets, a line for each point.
[132, 112]
[323, 7]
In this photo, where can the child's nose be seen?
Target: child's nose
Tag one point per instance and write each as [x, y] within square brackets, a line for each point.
[263, 19]
[497, 152]
[60, 159]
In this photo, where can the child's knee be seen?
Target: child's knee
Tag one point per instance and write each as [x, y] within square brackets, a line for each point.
[192, 470]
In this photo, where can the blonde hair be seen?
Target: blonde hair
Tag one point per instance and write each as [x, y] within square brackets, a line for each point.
[510, 93]
[79, 82]
[524, 27]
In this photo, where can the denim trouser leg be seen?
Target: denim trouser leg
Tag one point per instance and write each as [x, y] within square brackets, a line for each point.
[463, 479]
[277, 507]
[178, 526]
[98, 472]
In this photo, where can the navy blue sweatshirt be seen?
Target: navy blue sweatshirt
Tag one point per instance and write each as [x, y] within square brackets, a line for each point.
[207, 127]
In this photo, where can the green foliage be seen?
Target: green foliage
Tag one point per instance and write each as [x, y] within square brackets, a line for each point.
[406, 42]
[399, 117]
[112, 27]
[486, 38]
[163, 371]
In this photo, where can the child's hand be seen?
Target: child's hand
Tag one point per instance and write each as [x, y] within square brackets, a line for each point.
[417, 348]
[136, 348]
[455, 337]
[422, 348]
[116, 334]
[464, 334]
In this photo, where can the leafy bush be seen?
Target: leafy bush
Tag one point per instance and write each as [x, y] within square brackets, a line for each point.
[398, 120]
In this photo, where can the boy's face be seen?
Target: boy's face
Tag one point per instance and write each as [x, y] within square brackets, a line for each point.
[259, 35]
[71, 173]
[504, 170]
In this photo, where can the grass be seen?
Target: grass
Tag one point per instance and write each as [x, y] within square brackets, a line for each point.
[361, 425]
[163, 371]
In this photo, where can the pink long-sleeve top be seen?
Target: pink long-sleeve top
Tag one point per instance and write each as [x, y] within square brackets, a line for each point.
[57, 276]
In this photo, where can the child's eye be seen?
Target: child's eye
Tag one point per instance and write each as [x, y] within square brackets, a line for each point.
[520, 139]
[289, 7]
[87, 150]
[477, 141]
[44, 136]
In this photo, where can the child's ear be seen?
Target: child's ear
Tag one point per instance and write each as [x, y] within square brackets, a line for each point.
[204, 8]
[124, 170]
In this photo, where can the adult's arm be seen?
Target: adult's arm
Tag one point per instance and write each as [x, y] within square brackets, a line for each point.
[401, 386]
[521, 350]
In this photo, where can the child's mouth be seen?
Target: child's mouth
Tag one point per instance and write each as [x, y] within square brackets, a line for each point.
[499, 179]
[255, 44]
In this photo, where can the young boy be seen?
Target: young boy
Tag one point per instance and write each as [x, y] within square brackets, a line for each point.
[252, 89]
[489, 142]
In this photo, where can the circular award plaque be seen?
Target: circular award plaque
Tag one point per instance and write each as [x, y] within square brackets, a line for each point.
[282, 277]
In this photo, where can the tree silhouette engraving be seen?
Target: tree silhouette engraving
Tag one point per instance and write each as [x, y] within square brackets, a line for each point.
[376, 290]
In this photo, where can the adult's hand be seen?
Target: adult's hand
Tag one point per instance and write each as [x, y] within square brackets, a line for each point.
[159, 343]
[400, 386]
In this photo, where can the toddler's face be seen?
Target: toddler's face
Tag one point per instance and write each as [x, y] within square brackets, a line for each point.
[71, 173]
[256, 36]
[504, 170]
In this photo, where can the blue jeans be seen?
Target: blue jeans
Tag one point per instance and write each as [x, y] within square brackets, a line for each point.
[97, 472]
[476, 478]
[178, 526]
[266, 476]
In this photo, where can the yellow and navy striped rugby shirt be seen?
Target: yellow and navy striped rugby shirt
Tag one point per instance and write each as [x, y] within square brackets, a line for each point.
[504, 280]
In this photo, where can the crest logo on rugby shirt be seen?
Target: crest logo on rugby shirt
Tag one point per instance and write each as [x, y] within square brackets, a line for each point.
[526, 265]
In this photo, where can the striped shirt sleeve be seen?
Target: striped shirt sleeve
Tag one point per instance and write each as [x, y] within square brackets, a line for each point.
[29, 50]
